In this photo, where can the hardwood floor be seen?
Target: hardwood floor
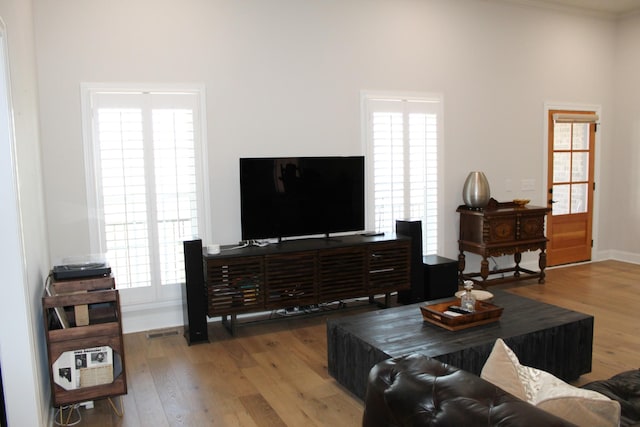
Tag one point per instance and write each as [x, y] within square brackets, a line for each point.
[275, 373]
[609, 291]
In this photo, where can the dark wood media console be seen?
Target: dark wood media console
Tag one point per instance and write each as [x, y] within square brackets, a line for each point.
[304, 272]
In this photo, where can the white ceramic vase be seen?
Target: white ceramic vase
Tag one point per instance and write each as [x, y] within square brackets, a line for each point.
[476, 192]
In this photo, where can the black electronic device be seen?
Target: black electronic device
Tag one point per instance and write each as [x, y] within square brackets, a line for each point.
[194, 294]
[440, 277]
[413, 228]
[458, 309]
[301, 196]
[81, 270]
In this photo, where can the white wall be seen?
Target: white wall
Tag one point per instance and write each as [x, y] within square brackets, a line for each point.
[624, 158]
[283, 77]
[24, 248]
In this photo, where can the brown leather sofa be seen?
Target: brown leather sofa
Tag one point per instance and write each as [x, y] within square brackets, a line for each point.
[625, 388]
[416, 390]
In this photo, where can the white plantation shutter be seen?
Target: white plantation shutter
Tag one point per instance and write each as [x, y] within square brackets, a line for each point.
[148, 186]
[176, 190]
[402, 146]
[124, 195]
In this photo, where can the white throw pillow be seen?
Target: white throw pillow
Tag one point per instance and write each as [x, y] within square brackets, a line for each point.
[540, 388]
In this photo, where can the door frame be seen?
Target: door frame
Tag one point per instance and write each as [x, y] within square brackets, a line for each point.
[596, 167]
[22, 374]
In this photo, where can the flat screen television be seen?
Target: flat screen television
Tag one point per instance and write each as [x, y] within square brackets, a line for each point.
[301, 196]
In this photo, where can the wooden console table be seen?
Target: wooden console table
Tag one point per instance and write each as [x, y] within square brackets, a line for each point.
[502, 229]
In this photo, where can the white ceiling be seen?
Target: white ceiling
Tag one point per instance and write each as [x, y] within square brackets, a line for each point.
[610, 7]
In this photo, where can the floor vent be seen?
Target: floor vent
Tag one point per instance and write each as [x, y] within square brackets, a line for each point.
[161, 334]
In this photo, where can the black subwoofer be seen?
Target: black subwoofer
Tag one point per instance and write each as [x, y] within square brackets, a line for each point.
[440, 277]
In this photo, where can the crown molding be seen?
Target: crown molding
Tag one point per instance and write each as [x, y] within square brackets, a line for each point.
[571, 8]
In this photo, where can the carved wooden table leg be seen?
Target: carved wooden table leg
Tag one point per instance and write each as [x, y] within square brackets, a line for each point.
[484, 269]
[461, 266]
[542, 263]
[517, 257]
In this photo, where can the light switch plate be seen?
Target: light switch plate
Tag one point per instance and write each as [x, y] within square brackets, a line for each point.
[528, 184]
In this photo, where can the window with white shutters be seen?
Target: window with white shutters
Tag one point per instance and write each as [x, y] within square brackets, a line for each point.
[402, 139]
[146, 183]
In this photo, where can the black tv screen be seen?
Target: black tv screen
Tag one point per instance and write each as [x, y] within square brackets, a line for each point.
[300, 196]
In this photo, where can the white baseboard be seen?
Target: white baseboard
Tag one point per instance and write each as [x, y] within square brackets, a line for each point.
[624, 256]
[147, 317]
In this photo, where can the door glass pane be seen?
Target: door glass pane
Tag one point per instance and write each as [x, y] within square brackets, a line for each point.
[580, 166]
[579, 198]
[561, 199]
[561, 165]
[580, 136]
[562, 136]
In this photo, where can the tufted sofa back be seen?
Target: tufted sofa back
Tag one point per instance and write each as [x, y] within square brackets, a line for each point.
[415, 390]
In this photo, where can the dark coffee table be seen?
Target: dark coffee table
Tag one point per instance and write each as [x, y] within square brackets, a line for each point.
[543, 336]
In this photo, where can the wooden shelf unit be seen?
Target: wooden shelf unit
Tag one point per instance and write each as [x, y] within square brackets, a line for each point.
[104, 328]
[85, 284]
[304, 272]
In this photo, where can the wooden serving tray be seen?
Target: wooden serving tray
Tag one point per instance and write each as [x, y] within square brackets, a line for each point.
[485, 313]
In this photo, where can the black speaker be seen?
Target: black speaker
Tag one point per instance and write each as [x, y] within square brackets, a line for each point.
[413, 229]
[194, 297]
[440, 277]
